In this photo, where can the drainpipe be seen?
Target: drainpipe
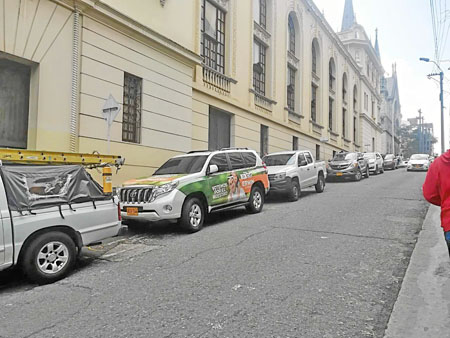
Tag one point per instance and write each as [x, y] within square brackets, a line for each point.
[74, 102]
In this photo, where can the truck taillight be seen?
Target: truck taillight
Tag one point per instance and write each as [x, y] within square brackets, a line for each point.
[119, 214]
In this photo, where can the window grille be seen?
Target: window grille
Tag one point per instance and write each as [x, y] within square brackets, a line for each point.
[263, 14]
[132, 100]
[259, 68]
[291, 89]
[313, 103]
[213, 36]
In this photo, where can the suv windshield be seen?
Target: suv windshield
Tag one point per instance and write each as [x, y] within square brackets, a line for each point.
[345, 157]
[182, 165]
[419, 157]
[370, 156]
[281, 159]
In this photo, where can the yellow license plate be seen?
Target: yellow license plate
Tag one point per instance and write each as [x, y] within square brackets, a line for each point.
[132, 212]
[417, 166]
[338, 174]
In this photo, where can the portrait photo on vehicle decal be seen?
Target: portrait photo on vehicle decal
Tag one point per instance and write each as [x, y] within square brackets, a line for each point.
[235, 190]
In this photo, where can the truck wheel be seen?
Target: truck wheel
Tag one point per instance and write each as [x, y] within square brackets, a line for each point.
[256, 200]
[358, 175]
[320, 185]
[294, 192]
[49, 257]
[193, 215]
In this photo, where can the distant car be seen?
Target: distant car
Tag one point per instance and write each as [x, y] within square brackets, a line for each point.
[376, 164]
[418, 162]
[390, 162]
[403, 163]
[348, 165]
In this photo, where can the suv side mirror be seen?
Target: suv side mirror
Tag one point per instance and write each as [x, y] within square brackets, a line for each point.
[302, 163]
[213, 168]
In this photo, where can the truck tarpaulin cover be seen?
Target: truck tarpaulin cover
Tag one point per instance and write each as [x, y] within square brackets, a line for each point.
[36, 187]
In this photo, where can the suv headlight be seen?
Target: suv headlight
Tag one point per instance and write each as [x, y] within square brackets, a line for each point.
[162, 190]
[279, 176]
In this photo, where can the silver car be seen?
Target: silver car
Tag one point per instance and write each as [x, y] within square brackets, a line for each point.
[376, 163]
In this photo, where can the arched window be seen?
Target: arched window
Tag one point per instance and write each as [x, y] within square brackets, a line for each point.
[291, 29]
[332, 74]
[314, 58]
[344, 87]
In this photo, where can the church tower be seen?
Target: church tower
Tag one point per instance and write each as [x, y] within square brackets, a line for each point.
[349, 19]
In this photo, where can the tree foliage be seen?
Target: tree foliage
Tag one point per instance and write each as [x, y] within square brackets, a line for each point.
[409, 137]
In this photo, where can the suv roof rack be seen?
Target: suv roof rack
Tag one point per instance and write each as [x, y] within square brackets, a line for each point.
[198, 151]
[234, 148]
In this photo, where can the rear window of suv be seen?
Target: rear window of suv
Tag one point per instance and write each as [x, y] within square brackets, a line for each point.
[250, 159]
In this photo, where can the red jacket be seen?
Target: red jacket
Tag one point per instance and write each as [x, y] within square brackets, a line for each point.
[436, 188]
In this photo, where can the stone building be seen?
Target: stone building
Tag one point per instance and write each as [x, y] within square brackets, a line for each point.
[203, 74]
[390, 114]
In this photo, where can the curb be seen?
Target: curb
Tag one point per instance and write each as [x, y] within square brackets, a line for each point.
[422, 308]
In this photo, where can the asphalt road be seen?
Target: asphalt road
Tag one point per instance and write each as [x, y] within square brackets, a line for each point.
[329, 265]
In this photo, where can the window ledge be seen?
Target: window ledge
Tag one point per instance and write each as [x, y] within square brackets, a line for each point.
[262, 97]
[315, 77]
[315, 124]
[333, 133]
[294, 114]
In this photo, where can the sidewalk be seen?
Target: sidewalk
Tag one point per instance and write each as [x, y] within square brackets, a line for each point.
[422, 309]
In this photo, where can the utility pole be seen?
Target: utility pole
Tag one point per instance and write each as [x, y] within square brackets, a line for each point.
[420, 130]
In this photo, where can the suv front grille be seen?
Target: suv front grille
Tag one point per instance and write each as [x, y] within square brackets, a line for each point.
[339, 166]
[135, 195]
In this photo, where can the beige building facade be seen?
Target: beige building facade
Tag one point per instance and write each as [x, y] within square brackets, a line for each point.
[201, 74]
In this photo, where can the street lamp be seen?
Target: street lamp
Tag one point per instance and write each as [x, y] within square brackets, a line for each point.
[441, 98]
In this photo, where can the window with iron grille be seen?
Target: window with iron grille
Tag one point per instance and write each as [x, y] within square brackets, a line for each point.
[294, 143]
[332, 77]
[355, 99]
[330, 113]
[344, 87]
[291, 88]
[213, 36]
[264, 141]
[291, 28]
[259, 67]
[344, 118]
[354, 129]
[263, 14]
[313, 103]
[132, 99]
[314, 59]
[317, 152]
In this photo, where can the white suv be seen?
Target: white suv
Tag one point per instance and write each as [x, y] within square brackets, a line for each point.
[376, 162]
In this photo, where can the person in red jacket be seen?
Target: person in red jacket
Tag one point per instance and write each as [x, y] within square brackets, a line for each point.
[436, 190]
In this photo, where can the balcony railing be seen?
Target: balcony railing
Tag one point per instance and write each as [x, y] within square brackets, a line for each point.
[217, 81]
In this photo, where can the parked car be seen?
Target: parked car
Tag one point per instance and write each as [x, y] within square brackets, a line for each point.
[187, 187]
[418, 162]
[404, 163]
[376, 164]
[390, 162]
[47, 214]
[292, 171]
[348, 165]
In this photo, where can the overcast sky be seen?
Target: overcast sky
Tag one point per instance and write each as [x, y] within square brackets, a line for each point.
[405, 34]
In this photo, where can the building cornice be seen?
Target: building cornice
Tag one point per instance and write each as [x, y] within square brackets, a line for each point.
[98, 10]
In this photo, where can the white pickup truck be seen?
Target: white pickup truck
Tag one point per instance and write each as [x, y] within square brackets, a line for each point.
[47, 214]
[292, 171]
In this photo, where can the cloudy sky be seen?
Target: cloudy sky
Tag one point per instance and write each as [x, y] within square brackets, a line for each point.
[405, 33]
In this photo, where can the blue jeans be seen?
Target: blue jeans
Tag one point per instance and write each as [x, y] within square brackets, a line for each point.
[447, 239]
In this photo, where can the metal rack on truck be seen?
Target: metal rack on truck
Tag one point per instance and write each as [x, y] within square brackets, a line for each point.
[90, 161]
